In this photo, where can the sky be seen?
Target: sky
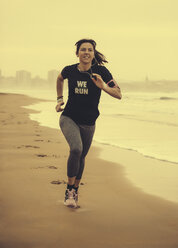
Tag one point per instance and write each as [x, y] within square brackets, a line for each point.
[138, 37]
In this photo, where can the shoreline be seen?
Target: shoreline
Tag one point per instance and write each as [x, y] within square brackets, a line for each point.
[132, 150]
[114, 213]
[160, 172]
[30, 94]
[150, 175]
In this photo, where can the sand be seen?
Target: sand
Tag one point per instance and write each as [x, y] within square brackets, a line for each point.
[113, 212]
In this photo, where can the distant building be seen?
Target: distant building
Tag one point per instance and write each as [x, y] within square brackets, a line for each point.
[38, 82]
[23, 78]
[7, 82]
[52, 77]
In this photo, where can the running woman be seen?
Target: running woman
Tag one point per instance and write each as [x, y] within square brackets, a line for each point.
[86, 80]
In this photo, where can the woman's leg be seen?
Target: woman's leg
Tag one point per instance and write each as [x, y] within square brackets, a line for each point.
[86, 133]
[72, 134]
[79, 139]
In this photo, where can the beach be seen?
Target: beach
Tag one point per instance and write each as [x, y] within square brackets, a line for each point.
[113, 211]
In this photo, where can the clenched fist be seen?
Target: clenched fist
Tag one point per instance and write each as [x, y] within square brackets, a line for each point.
[58, 107]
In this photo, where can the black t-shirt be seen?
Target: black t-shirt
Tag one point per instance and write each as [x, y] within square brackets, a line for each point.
[84, 95]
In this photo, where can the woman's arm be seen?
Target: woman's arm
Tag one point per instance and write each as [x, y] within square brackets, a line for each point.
[114, 92]
[59, 88]
[59, 85]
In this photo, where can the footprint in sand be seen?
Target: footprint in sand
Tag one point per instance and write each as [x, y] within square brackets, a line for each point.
[27, 146]
[4, 123]
[41, 155]
[38, 131]
[38, 140]
[58, 182]
[62, 182]
[52, 167]
[44, 155]
[43, 167]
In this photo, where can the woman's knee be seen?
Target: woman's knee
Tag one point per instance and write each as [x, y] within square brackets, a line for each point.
[76, 151]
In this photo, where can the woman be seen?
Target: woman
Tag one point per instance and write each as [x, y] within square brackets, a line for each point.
[86, 80]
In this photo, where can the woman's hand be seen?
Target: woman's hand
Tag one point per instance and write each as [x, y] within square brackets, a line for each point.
[98, 81]
[58, 107]
[115, 91]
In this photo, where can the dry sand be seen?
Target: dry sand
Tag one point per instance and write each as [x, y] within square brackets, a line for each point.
[113, 213]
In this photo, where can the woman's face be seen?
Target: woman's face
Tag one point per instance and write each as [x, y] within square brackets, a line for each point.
[86, 53]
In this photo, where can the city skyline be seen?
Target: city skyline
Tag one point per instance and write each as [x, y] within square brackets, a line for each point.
[24, 79]
[146, 78]
[52, 72]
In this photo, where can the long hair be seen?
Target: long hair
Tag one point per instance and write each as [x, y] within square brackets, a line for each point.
[99, 57]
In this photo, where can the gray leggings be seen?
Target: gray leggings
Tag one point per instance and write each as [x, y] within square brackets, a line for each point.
[79, 138]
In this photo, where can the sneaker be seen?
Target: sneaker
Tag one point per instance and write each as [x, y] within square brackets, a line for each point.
[69, 200]
[76, 196]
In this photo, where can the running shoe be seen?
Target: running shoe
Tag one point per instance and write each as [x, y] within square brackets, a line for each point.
[69, 200]
[76, 196]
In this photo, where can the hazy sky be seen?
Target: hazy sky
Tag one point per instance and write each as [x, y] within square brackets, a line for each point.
[138, 37]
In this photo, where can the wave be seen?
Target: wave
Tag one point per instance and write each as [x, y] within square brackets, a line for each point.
[135, 150]
[134, 117]
[167, 98]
